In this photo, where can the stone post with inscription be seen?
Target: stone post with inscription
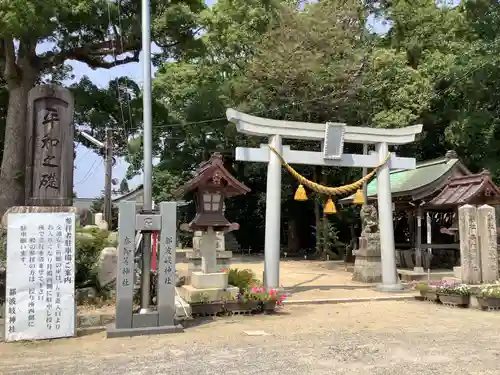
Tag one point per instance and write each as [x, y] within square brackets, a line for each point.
[49, 155]
[488, 243]
[128, 323]
[469, 245]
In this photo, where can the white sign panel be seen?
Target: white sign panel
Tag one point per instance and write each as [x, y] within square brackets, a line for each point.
[40, 293]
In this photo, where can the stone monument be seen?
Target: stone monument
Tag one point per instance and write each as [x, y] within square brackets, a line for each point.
[487, 230]
[211, 185]
[367, 265]
[49, 145]
[470, 256]
[49, 152]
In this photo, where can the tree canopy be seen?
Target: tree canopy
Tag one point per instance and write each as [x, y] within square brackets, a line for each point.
[434, 63]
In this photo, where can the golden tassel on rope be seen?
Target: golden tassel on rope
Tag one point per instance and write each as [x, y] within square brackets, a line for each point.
[330, 191]
[329, 207]
[358, 197]
[300, 194]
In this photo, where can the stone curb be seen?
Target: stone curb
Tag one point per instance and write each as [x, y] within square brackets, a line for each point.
[94, 320]
[333, 286]
[347, 300]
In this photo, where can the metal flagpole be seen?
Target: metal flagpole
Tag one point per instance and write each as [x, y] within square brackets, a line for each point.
[148, 152]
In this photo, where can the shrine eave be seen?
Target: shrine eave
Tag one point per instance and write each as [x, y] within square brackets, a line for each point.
[471, 189]
[205, 173]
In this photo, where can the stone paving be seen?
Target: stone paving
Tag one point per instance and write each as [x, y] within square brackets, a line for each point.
[377, 338]
[315, 279]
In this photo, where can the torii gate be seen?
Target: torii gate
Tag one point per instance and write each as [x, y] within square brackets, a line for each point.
[332, 136]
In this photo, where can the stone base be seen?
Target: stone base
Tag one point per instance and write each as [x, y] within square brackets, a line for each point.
[457, 272]
[191, 294]
[113, 332]
[367, 265]
[367, 269]
[418, 269]
[200, 280]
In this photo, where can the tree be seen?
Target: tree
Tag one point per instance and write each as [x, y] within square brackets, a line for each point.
[74, 30]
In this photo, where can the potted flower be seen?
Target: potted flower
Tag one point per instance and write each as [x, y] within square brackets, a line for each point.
[268, 298]
[488, 297]
[239, 304]
[454, 294]
[205, 307]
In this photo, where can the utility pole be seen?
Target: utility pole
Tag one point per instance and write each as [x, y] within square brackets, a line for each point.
[147, 207]
[107, 207]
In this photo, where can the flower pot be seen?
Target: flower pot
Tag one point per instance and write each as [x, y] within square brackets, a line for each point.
[205, 309]
[240, 306]
[489, 303]
[431, 295]
[269, 306]
[454, 300]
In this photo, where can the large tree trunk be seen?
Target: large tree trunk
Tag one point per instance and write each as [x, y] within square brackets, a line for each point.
[13, 163]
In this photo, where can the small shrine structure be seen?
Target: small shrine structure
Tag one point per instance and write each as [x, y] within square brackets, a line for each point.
[425, 205]
[211, 185]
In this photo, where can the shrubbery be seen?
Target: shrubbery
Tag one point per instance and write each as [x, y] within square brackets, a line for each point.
[89, 244]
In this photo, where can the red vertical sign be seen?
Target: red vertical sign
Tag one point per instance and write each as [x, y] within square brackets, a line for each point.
[154, 249]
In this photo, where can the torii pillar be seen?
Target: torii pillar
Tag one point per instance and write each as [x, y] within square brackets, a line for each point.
[333, 136]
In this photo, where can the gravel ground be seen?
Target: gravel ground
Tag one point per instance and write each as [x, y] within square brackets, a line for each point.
[360, 338]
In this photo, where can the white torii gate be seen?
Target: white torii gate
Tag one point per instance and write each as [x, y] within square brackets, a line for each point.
[335, 134]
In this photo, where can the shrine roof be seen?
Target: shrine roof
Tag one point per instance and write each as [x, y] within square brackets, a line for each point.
[475, 189]
[204, 175]
[426, 178]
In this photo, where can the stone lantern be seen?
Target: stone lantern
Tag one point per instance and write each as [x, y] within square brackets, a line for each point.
[211, 185]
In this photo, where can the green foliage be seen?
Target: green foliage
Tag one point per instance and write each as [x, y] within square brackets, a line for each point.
[89, 244]
[422, 286]
[242, 279]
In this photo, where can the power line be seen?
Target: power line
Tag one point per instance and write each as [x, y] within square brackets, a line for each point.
[276, 108]
[91, 172]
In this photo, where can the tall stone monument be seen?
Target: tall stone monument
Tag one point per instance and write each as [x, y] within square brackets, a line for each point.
[49, 155]
[49, 152]
[487, 230]
[367, 265]
[470, 255]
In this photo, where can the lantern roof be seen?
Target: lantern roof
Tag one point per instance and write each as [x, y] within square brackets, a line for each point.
[212, 174]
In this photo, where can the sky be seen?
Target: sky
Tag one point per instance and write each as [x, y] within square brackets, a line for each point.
[89, 172]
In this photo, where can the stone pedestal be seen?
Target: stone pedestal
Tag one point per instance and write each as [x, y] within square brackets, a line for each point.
[200, 280]
[207, 287]
[487, 233]
[205, 263]
[367, 265]
[470, 256]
